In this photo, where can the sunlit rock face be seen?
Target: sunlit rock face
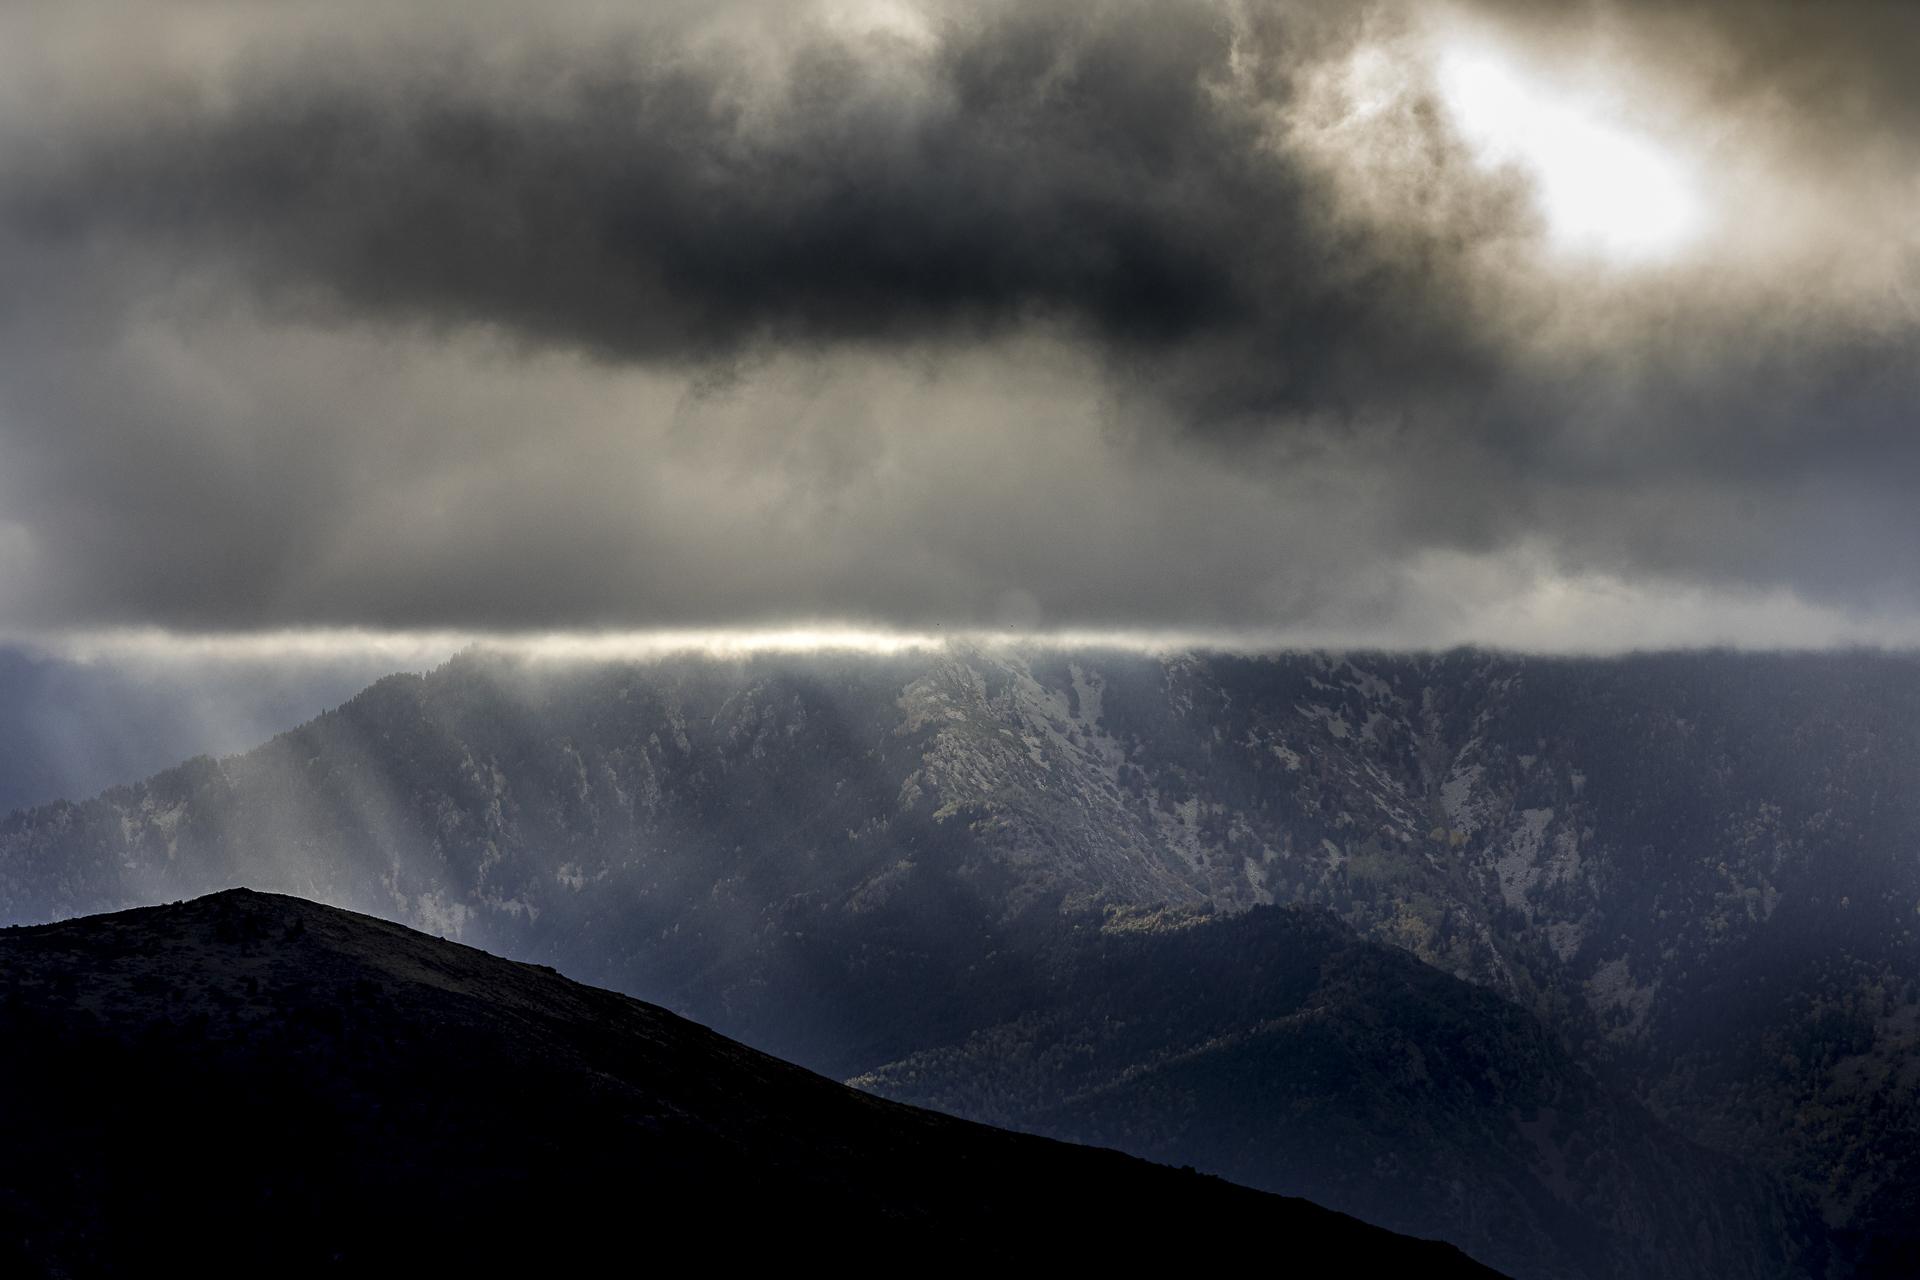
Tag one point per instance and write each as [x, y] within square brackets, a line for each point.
[1699, 868]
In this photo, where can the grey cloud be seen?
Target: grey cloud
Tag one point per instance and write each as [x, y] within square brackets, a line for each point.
[446, 321]
[1839, 71]
[1103, 167]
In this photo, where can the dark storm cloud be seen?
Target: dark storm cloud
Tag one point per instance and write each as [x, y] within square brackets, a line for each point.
[1104, 314]
[1101, 166]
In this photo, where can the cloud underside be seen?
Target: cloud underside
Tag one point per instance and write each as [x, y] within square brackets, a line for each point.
[1111, 317]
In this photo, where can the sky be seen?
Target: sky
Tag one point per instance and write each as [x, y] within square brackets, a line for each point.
[1574, 327]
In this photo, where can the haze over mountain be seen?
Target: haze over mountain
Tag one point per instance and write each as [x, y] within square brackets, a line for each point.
[76, 727]
[1694, 869]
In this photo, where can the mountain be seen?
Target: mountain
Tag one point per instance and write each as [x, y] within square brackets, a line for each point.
[249, 1082]
[1696, 870]
[1276, 1048]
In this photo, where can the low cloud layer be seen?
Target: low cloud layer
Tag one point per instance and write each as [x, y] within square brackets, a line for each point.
[1190, 316]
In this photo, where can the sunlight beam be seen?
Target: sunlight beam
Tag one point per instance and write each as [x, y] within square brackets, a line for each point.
[1605, 190]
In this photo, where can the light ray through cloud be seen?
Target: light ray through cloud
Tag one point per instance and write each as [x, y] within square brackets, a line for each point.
[1603, 188]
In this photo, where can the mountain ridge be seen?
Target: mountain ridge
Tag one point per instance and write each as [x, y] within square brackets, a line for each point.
[1695, 868]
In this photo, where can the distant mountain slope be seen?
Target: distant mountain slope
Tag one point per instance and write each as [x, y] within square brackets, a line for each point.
[1699, 869]
[253, 1082]
[1276, 1048]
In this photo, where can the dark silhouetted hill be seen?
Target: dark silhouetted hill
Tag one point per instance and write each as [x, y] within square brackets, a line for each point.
[250, 1083]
